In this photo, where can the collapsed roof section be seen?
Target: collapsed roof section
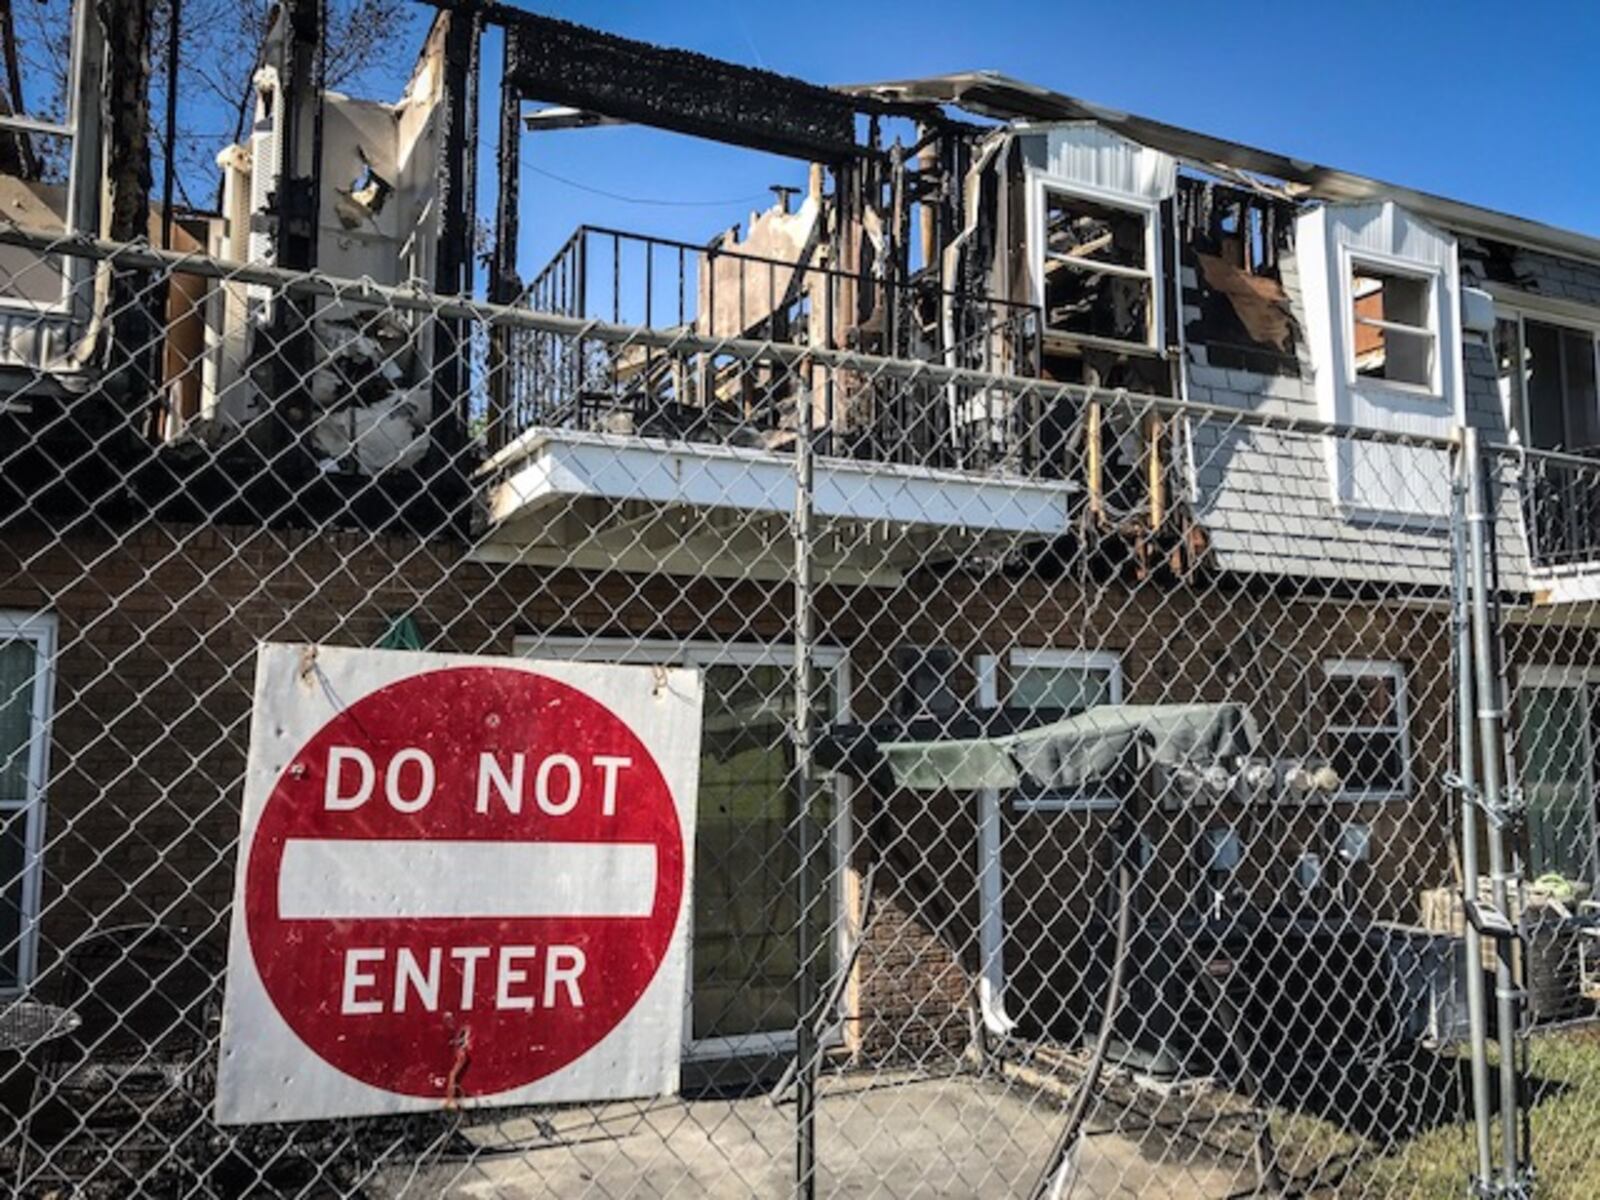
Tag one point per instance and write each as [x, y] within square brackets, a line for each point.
[995, 95]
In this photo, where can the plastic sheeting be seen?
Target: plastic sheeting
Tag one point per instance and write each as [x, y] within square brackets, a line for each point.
[1069, 753]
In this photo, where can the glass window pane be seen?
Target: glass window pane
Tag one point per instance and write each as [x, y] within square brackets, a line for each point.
[18, 661]
[1070, 689]
[1368, 762]
[1553, 753]
[1583, 407]
[1547, 424]
[1362, 700]
[1095, 304]
[1084, 231]
[927, 681]
[1397, 355]
[1398, 299]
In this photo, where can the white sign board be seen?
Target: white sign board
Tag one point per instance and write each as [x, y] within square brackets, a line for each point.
[461, 881]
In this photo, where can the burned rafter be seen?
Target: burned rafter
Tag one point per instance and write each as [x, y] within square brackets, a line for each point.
[679, 90]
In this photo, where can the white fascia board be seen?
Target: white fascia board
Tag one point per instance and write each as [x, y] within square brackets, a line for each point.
[562, 465]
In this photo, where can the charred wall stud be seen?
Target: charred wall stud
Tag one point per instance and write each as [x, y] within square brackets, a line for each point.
[453, 267]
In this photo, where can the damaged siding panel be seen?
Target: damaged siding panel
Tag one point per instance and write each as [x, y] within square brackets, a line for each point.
[377, 218]
[1236, 247]
[1262, 497]
[1485, 261]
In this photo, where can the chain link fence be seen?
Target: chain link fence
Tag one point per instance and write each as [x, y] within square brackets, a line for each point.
[1082, 809]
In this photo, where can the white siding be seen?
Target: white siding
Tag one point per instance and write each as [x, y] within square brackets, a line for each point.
[1371, 481]
[1091, 157]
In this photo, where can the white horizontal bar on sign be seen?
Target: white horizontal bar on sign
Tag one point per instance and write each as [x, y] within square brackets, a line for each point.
[346, 879]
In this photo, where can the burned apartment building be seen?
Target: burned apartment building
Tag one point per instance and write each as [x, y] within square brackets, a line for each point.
[1096, 411]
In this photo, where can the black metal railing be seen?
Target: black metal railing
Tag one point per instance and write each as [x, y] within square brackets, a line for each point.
[1561, 508]
[567, 382]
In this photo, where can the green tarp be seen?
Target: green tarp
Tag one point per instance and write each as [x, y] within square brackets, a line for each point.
[1067, 754]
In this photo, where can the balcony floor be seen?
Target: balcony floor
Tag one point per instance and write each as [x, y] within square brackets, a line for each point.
[635, 503]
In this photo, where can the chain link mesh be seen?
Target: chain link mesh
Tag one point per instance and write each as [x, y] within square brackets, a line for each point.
[1204, 939]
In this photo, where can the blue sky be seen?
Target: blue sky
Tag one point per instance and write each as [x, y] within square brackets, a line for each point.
[1407, 92]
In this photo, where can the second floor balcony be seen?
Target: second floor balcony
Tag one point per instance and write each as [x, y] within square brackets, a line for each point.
[555, 382]
[701, 413]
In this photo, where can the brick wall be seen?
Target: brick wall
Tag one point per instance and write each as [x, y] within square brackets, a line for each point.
[158, 626]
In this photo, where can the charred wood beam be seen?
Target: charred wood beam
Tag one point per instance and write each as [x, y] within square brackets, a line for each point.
[300, 148]
[678, 90]
[132, 348]
[457, 203]
[504, 286]
[295, 210]
[127, 95]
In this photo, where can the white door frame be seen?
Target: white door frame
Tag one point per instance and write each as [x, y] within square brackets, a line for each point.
[40, 629]
[1570, 677]
[707, 653]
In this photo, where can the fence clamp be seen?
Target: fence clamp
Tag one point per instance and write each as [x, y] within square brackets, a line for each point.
[1488, 920]
[1511, 810]
[1505, 815]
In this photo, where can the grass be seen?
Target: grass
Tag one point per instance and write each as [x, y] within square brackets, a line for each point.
[1411, 1141]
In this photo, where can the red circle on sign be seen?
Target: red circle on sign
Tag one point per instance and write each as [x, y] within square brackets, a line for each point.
[363, 968]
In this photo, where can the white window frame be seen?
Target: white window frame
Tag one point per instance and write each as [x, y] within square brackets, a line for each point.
[1351, 261]
[40, 629]
[1046, 659]
[79, 130]
[1573, 581]
[1375, 668]
[702, 653]
[1041, 185]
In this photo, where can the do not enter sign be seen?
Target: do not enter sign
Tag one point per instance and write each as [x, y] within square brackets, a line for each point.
[461, 881]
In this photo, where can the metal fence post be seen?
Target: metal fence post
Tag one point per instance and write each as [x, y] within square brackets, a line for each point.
[1503, 874]
[805, 836]
[1466, 742]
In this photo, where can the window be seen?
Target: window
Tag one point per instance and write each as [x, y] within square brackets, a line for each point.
[1098, 269]
[27, 642]
[51, 142]
[1392, 334]
[1365, 734]
[929, 683]
[1054, 683]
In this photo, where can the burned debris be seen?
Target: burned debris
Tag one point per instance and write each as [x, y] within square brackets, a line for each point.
[970, 222]
[1234, 240]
